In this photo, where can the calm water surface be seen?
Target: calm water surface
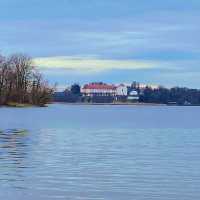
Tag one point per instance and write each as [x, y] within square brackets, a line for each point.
[100, 153]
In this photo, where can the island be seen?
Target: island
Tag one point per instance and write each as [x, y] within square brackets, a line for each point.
[21, 84]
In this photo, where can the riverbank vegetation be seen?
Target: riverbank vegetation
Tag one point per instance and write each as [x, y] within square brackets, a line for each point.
[172, 96]
[21, 83]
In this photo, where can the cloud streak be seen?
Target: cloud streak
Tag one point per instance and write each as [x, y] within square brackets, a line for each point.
[91, 64]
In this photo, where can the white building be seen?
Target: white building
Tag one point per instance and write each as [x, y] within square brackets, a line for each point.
[103, 89]
[121, 90]
[98, 89]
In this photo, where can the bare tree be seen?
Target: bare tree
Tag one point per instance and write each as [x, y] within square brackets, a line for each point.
[20, 82]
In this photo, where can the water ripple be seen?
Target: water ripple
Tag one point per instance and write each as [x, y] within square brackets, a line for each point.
[99, 164]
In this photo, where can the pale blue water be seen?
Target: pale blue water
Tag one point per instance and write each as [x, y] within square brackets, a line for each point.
[100, 153]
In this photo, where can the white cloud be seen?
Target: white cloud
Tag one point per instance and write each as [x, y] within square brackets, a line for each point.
[91, 64]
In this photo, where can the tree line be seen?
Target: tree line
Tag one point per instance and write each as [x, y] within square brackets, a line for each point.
[20, 82]
[175, 95]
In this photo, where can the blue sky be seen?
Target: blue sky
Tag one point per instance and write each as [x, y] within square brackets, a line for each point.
[151, 41]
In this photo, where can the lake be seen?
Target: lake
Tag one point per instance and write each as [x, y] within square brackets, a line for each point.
[80, 152]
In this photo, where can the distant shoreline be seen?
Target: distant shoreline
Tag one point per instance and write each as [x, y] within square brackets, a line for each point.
[20, 105]
[112, 104]
[121, 104]
[95, 104]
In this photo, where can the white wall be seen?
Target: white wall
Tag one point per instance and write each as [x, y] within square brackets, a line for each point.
[122, 91]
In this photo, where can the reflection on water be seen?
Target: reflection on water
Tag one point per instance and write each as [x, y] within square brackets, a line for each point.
[12, 155]
[64, 159]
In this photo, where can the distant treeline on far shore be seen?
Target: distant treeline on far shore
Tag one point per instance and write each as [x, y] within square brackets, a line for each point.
[133, 93]
[172, 96]
[21, 83]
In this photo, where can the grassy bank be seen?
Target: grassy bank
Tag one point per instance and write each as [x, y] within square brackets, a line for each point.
[18, 105]
[22, 105]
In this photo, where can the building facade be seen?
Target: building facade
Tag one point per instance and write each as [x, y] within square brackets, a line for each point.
[98, 89]
[121, 90]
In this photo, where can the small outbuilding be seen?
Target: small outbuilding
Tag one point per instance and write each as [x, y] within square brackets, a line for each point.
[133, 96]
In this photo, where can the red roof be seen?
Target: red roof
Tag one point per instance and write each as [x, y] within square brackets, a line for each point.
[102, 86]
